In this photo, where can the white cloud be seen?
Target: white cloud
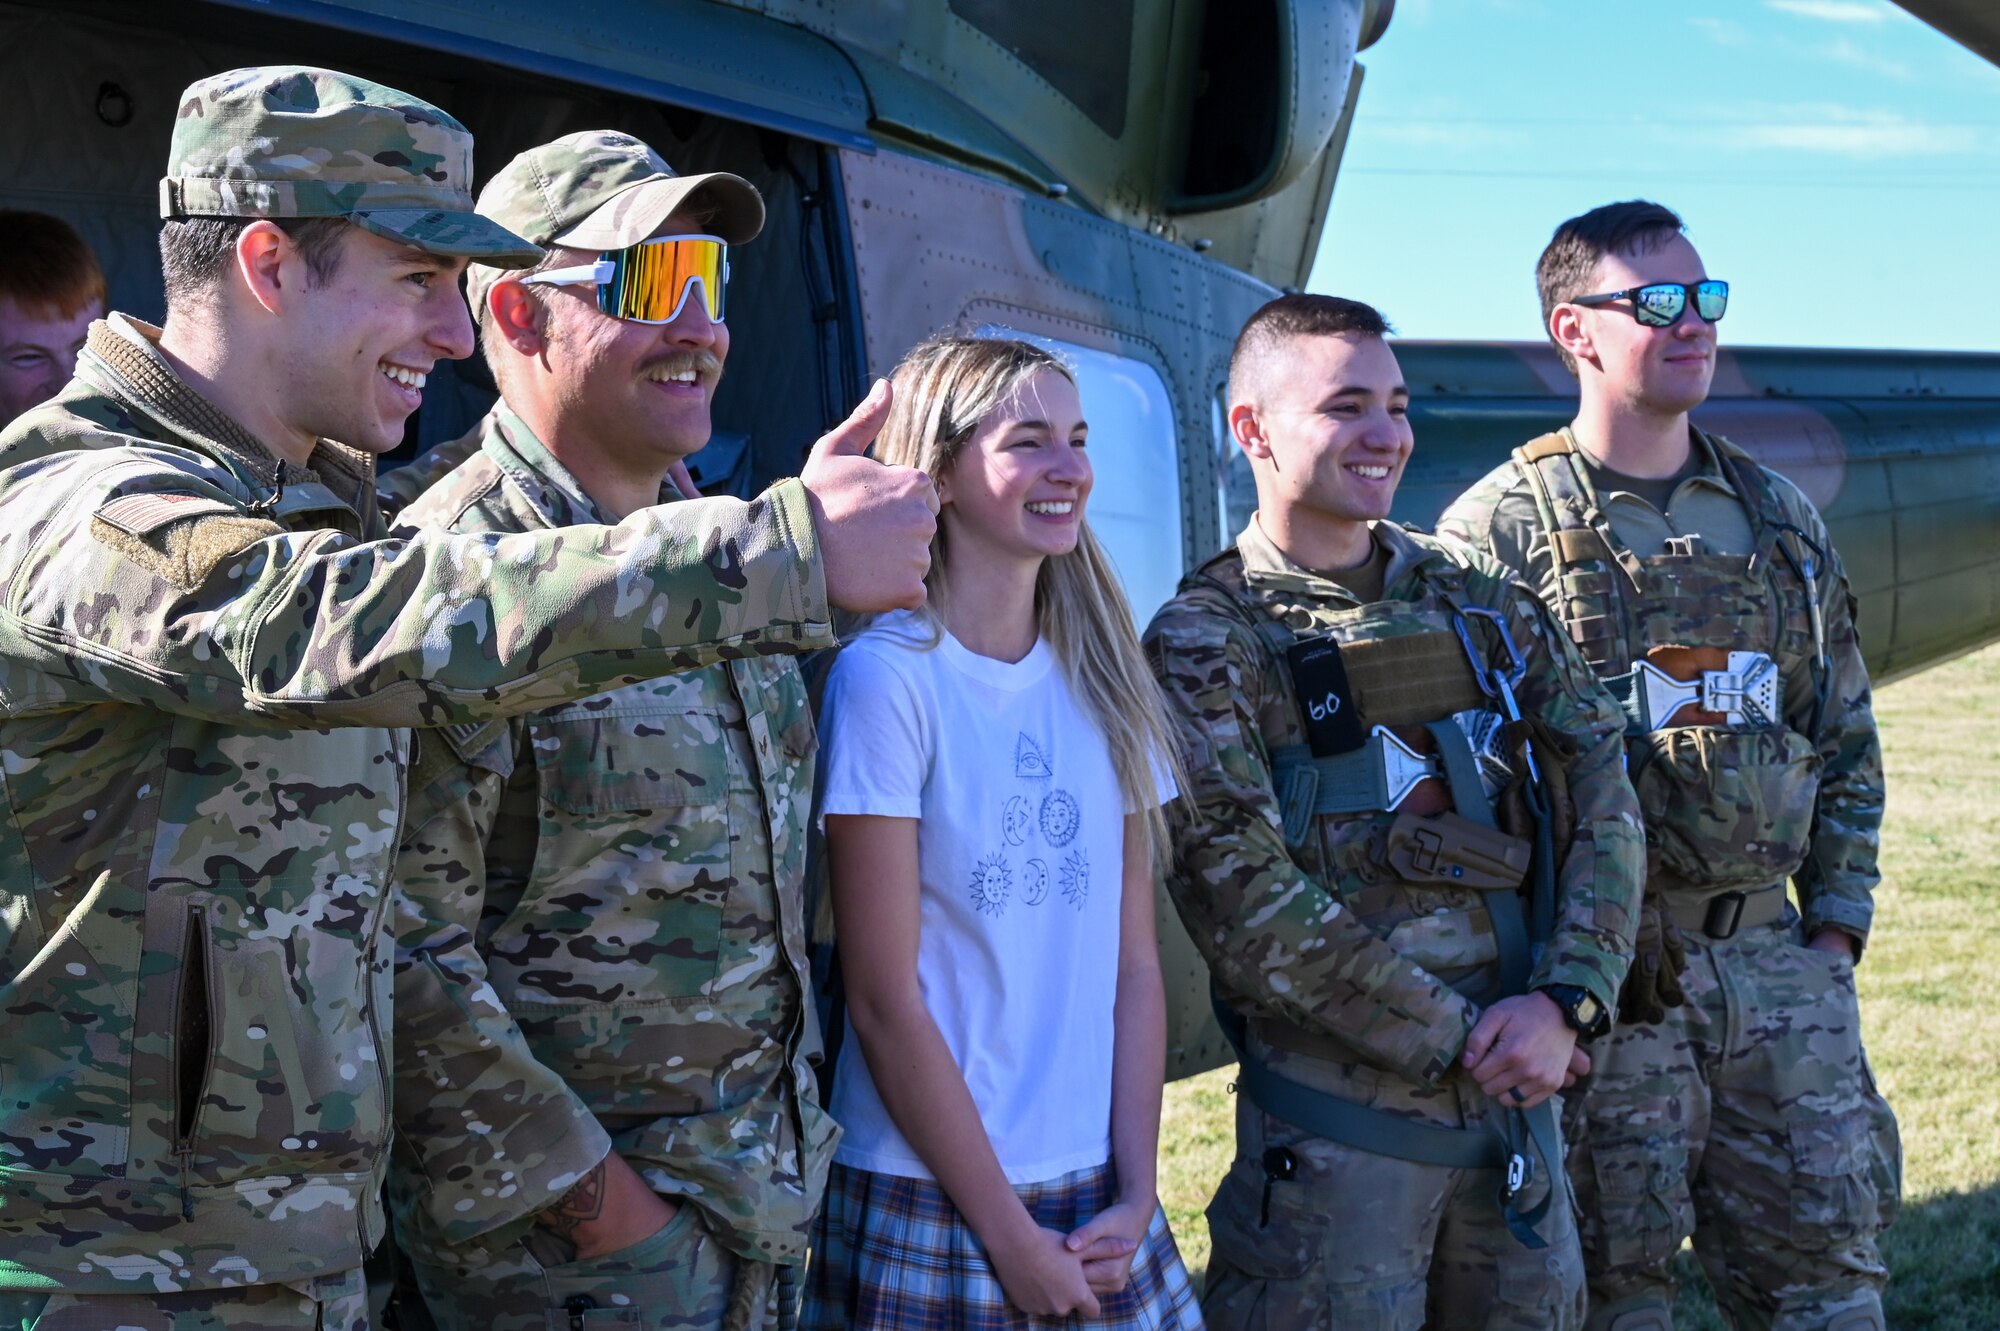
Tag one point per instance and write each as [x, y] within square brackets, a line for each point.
[1847, 51]
[1837, 131]
[1832, 11]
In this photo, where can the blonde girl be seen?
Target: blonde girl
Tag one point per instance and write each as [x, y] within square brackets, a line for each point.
[996, 767]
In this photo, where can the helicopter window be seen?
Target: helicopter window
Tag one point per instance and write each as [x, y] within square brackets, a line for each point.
[1236, 488]
[1083, 51]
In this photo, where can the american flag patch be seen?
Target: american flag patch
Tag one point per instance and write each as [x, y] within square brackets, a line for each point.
[144, 514]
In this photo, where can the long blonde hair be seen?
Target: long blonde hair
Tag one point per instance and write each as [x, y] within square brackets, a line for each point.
[944, 388]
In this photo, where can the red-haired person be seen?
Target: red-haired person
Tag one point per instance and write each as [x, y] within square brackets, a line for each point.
[50, 290]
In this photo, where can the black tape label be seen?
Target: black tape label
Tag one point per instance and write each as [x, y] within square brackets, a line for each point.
[1319, 680]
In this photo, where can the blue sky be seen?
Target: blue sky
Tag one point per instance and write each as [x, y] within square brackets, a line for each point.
[1836, 160]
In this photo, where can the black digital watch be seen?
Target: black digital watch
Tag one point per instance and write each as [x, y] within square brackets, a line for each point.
[1583, 1013]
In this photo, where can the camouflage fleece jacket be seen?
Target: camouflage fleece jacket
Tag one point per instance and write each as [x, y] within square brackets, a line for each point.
[1836, 884]
[207, 669]
[1281, 931]
[604, 946]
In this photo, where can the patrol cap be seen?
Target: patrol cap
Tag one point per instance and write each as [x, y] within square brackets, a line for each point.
[599, 189]
[602, 190]
[291, 141]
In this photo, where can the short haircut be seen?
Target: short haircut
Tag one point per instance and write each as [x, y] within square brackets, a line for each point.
[1569, 264]
[493, 345]
[45, 267]
[196, 252]
[1289, 318]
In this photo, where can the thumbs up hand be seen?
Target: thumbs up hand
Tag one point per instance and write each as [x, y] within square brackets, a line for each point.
[875, 522]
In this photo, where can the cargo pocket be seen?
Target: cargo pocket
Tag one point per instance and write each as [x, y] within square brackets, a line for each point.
[632, 860]
[1730, 810]
[1885, 1160]
[616, 762]
[1834, 1187]
[1644, 1208]
[1266, 1273]
[680, 1267]
[1546, 1283]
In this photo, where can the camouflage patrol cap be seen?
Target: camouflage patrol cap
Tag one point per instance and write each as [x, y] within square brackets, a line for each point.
[602, 190]
[290, 141]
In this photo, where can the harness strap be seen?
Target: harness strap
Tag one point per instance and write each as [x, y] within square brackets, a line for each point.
[1501, 1146]
[1374, 778]
[1510, 925]
[1461, 772]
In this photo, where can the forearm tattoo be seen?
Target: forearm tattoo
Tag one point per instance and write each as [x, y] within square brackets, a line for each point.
[582, 1203]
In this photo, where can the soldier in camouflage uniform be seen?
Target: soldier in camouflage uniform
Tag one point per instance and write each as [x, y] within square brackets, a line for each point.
[1364, 944]
[611, 888]
[1734, 1101]
[210, 662]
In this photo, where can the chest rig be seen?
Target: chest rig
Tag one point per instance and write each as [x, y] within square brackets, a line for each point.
[1433, 682]
[1698, 648]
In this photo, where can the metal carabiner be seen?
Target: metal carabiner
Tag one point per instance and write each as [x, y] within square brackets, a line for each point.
[1808, 567]
[1492, 682]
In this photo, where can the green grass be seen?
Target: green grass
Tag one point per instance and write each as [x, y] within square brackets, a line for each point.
[1930, 999]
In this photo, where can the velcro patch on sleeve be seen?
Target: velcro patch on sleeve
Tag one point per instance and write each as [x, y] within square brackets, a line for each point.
[144, 514]
[180, 539]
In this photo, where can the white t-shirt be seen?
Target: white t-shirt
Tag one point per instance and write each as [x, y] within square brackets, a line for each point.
[1020, 848]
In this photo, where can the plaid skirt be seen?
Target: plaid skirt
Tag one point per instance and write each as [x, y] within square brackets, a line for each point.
[893, 1254]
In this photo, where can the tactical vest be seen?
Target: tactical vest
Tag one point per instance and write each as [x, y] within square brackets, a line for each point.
[1427, 874]
[1441, 881]
[1695, 645]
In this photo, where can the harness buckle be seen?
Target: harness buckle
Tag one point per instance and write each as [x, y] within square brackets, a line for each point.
[1745, 693]
[1483, 735]
[1520, 1169]
[1403, 768]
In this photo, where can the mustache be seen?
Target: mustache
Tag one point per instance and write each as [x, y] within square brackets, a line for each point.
[706, 364]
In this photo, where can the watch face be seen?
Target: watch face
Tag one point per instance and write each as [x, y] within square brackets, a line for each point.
[1587, 1009]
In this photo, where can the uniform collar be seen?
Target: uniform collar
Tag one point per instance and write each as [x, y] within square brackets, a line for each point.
[1266, 567]
[1710, 473]
[125, 354]
[549, 488]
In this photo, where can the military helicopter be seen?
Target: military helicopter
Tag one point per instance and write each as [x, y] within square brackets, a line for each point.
[1126, 180]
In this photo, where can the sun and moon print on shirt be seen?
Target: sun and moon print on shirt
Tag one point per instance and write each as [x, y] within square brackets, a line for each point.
[1044, 820]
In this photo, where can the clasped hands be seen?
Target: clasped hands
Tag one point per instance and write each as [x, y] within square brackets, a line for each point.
[1521, 1051]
